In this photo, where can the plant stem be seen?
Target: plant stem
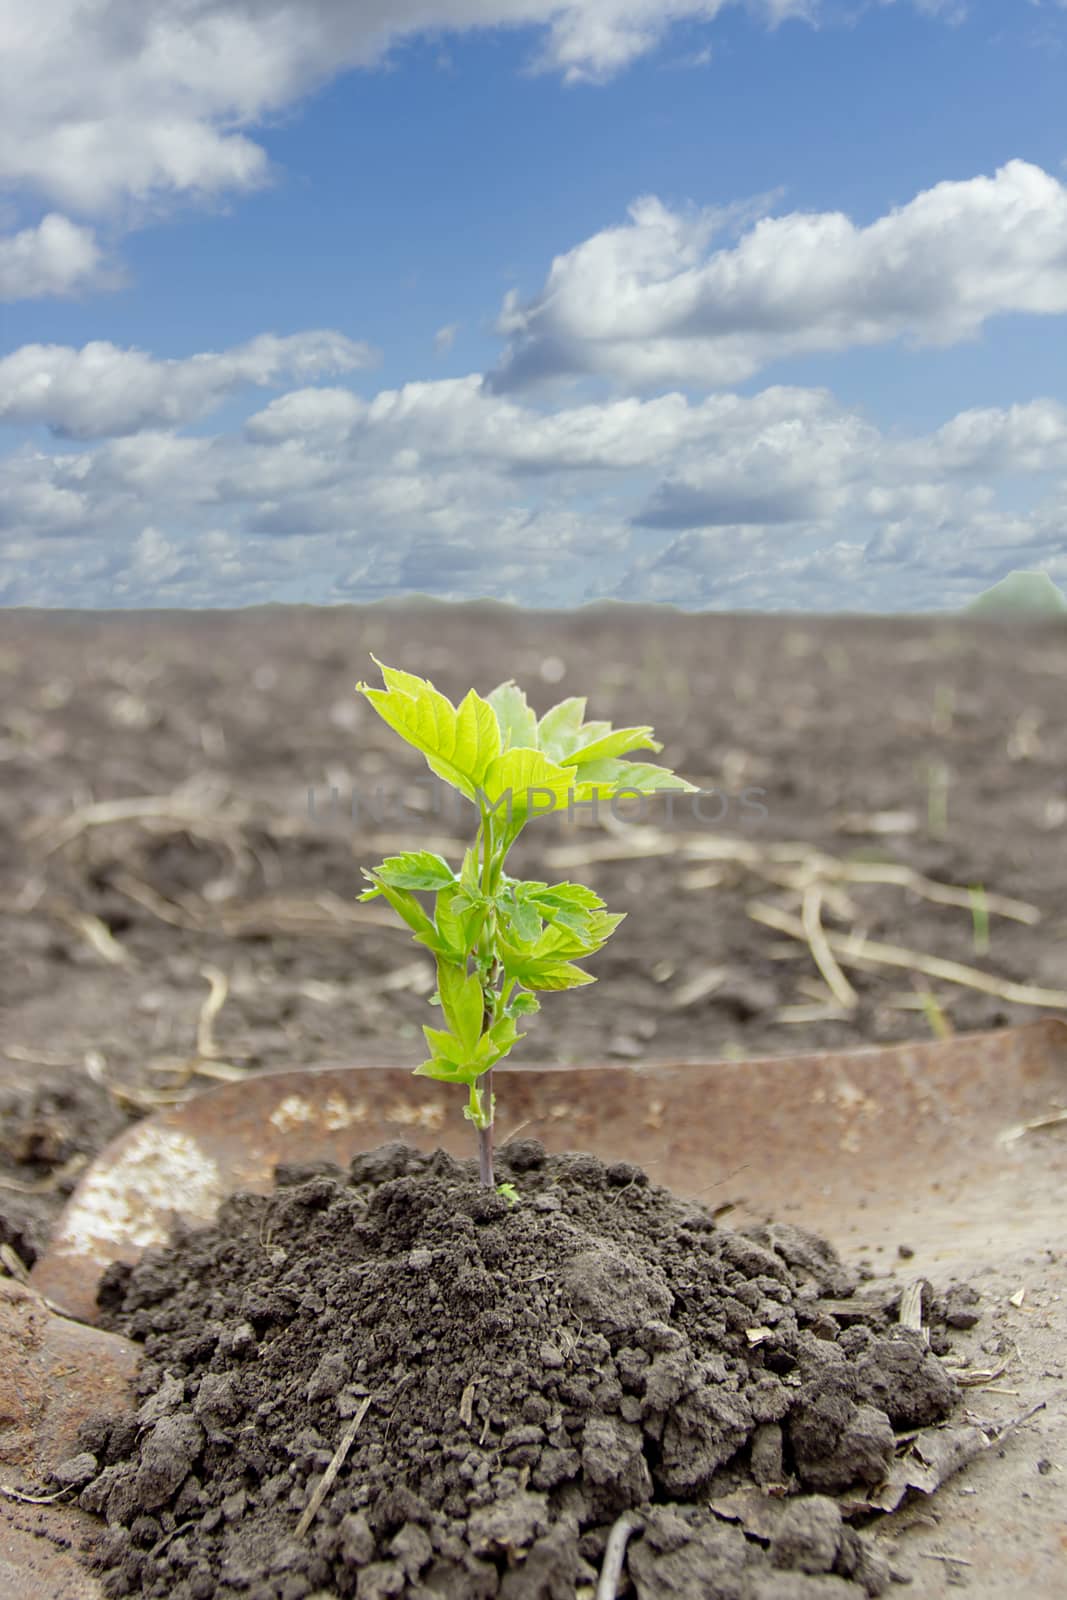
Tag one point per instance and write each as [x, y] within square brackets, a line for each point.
[485, 1139]
[488, 935]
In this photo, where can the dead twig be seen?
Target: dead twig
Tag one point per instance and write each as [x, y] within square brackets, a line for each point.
[853, 950]
[818, 944]
[14, 1264]
[184, 812]
[151, 900]
[322, 1487]
[614, 1556]
[1054, 1119]
[161, 1544]
[910, 1314]
[48, 1185]
[96, 933]
[929, 889]
[32, 1499]
[1002, 1430]
[206, 1047]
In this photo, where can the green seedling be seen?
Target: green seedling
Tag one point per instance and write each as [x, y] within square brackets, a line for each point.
[500, 941]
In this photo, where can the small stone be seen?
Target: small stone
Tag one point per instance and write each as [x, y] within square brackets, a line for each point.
[241, 1341]
[167, 1456]
[76, 1471]
[357, 1540]
[216, 1402]
[412, 1548]
[510, 1525]
[961, 1303]
[622, 1174]
[380, 1581]
[167, 1398]
[233, 1507]
[328, 1377]
[524, 1155]
[766, 1455]
[808, 1535]
[613, 1292]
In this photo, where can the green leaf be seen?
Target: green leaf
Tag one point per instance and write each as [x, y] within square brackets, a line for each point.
[520, 784]
[462, 1002]
[524, 1004]
[548, 974]
[501, 1037]
[603, 778]
[524, 919]
[406, 906]
[447, 1046]
[444, 1071]
[458, 922]
[416, 869]
[516, 717]
[577, 895]
[567, 905]
[557, 730]
[548, 964]
[615, 743]
[458, 744]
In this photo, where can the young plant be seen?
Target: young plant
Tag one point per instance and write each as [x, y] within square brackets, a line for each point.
[499, 941]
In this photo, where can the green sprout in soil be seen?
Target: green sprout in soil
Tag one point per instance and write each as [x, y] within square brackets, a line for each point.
[500, 941]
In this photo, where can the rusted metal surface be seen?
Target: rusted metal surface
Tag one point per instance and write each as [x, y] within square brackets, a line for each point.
[37, 1559]
[54, 1373]
[893, 1136]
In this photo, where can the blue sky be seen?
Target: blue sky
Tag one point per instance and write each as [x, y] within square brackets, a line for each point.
[751, 305]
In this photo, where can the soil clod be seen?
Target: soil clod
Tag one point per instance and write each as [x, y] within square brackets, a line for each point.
[523, 1377]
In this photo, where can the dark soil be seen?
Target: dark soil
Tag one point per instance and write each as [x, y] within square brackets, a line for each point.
[523, 1374]
[838, 722]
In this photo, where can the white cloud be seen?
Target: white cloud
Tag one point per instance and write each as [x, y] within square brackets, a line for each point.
[1020, 438]
[109, 103]
[445, 338]
[646, 303]
[101, 390]
[776, 499]
[56, 257]
[459, 418]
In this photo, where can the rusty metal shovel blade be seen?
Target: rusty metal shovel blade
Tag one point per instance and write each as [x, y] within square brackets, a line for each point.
[926, 1141]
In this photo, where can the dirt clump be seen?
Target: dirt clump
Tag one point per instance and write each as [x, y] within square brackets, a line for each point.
[508, 1378]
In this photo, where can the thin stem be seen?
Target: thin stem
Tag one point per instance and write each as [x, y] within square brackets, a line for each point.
[485, 1141]
[487, 939]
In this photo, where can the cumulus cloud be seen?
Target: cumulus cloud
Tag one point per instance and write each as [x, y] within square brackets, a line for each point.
[779, 498]
[111, 102]
[649, 304]
[1019, 438]
[56, 257]
[101, 390]
[789, 471]
[459, 418]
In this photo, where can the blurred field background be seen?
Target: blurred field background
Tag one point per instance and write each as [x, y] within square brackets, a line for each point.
[882, 857]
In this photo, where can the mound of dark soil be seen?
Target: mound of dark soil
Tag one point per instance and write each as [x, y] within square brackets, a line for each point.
[510, 1378]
